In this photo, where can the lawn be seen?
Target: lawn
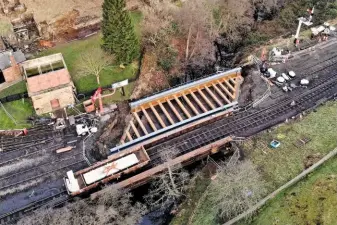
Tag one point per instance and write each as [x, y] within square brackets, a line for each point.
[118, 97]
[280, 165]
[20, 110]
[72, 52]
[17, 88]
[312, 201]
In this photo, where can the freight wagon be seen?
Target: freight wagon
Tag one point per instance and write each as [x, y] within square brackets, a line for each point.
[105, 171]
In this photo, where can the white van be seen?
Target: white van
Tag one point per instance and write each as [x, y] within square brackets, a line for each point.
[272, 73]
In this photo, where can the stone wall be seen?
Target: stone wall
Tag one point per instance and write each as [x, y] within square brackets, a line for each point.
[42, 102]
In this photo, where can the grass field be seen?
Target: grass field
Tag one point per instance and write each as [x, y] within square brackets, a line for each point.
[311, 201]
[72, 52]
[280, 165]
[20, 110]
[14, 89]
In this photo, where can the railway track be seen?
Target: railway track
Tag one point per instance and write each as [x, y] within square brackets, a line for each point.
[53, 200]
[38, 169]
[12, 156]
[10, 144]
[241, 124]
[7, 183]
[324, 87]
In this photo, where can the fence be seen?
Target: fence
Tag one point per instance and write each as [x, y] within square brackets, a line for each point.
[14, 97]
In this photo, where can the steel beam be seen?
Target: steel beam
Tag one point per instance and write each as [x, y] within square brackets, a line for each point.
[191, 105]
[229, 85]
[206, 99]
[140, 123]
[166, 113]
[182, 107]
[157, 116]
[213, 96]
[226, 90]
[134, 128]
[174, 110]
[129, 136]
[149, 119]
[220, 93]
[198, 102]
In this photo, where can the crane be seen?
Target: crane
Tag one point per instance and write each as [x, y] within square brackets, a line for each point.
[305, 21]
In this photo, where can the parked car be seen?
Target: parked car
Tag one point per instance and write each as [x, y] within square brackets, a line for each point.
[304, 82]
[280, 79]
[292, 74]
[285, 76]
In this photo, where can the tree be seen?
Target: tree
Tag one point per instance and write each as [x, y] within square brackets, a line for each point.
[93, 63]
[119, 37]
[198, 31]
[157, 19]
[110, 206]
[237, 187]
[168, 187]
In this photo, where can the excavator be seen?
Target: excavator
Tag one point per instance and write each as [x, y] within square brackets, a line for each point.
[89, 105]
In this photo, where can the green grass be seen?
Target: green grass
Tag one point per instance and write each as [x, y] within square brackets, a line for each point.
[281, 165]
[312, 201]
[277, 166]
[17, 88]
[20, 110]
[73, 50]
[118, 97]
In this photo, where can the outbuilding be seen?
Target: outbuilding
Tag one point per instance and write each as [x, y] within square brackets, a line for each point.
[49, 83]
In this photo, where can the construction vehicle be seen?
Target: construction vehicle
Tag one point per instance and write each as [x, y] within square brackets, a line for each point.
[89, 105]
[305, 21]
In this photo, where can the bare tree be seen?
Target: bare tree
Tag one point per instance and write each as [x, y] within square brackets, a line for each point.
[237, 187]
[168, 187]
[196, 23]
[93, 63]
[115, 207]
[157, 18]
[108, 207]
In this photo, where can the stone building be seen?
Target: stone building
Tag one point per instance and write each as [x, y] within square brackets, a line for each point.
[49, 84]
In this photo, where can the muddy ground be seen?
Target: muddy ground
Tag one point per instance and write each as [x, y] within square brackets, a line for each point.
[253, 86]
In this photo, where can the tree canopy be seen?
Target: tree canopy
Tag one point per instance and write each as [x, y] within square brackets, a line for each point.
[119, 37]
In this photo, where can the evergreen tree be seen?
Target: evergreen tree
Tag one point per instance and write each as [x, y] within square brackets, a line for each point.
[119, 37]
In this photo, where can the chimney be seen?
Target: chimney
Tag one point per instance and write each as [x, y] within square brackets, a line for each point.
[12, 59]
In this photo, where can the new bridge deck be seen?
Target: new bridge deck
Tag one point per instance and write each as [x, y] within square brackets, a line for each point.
[181, 105]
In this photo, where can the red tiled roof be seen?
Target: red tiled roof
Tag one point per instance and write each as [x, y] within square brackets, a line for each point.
[48, 80]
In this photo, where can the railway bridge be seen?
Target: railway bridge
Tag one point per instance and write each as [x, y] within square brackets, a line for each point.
[193, 119]
[159, 117]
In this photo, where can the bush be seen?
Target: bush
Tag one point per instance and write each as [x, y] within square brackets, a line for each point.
[254, 38]
[168, 58]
